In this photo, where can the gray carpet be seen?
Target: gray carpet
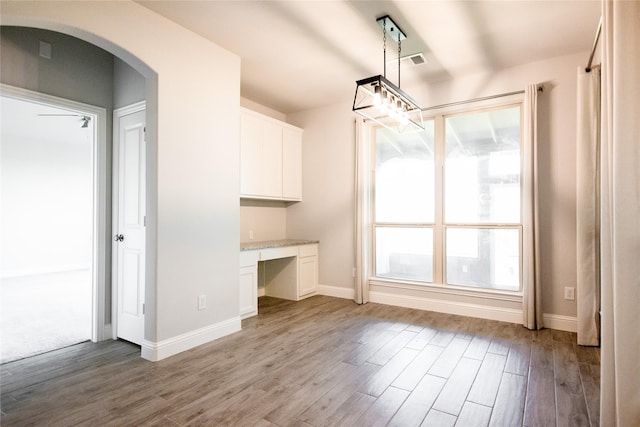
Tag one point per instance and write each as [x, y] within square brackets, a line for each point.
[44, 313]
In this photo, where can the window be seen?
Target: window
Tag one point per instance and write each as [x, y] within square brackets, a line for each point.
[447, 201]
[404, 204]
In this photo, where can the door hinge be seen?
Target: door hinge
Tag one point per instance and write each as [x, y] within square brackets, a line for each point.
[144, 221]
[143, 308]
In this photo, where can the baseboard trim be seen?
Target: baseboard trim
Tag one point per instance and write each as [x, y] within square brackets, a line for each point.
[560, 322]
[335, 291]
[155, 351]
[449, 307]
[550, 321]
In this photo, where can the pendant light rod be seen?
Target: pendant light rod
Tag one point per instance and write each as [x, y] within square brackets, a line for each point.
[384, 47]
[399, 55]
[395, 32]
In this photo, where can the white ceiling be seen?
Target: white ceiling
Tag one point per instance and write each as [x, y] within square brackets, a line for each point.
[298, 55]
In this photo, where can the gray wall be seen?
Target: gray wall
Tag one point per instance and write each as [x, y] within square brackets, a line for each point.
[129, 85]
[78, 71]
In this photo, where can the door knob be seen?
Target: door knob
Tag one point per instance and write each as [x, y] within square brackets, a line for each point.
[118, 237]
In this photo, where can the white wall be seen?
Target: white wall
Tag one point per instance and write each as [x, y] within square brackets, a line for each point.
[46, 190]
[265, 220]
[328, 173]
[193, 98]
[262, 109]
[326, 212]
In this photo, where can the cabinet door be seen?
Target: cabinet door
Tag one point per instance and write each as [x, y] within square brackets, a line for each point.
[291, 164]
[250, 155]
[248, 291]
[271, 160]
[307, 275]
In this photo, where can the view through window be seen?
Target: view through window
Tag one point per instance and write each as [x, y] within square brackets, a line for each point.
[447, 201]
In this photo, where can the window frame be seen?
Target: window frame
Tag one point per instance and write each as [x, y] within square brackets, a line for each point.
[439, 226]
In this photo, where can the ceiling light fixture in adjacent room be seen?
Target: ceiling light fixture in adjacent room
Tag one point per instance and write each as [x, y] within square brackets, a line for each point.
[85, 119]
[380, 100]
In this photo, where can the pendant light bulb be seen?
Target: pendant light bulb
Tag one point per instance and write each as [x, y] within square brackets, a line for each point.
[377, 95]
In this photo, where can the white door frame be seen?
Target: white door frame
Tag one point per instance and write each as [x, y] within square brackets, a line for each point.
[99, 331]
[117, 114]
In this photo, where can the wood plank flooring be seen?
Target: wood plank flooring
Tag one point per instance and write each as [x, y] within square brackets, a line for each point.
[319, 362]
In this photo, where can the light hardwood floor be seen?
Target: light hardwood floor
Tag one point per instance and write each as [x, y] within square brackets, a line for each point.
[319, 362]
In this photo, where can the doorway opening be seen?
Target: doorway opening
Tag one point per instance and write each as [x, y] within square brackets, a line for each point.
[51, 273]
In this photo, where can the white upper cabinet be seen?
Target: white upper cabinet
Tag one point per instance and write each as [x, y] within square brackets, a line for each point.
[250, 155]
[292, 164]
[270, 158]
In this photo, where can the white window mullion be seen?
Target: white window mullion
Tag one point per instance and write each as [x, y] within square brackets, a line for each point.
[438, 229]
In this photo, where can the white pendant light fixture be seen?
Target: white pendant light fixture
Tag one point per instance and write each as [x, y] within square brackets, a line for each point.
[380, 100]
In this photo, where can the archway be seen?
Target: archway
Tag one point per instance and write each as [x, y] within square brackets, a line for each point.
[193, 102]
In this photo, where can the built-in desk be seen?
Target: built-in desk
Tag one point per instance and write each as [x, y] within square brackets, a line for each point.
[285, 269]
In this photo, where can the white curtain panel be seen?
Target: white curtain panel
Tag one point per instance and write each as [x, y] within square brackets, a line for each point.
[587, 206]
[532, 297]
[361, 212]
[620, 215]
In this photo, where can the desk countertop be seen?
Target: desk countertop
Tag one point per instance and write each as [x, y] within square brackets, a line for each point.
[265, 244]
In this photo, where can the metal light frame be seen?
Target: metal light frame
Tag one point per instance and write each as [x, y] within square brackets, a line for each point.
[383, 102]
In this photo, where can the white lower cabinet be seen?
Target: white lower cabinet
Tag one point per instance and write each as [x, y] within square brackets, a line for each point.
[248, 284]
[307, 270]
[289, 273]
[248, 291]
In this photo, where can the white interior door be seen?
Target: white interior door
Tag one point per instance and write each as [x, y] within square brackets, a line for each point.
[129, 235]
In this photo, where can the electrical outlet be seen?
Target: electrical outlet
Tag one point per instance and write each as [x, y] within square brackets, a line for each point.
[202, 302]
[569, 293]
[250, 234]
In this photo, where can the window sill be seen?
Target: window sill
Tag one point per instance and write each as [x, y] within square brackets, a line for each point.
[492, 294]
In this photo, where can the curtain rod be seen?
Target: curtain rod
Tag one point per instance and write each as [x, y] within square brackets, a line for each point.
[595, 44]
[484, 98]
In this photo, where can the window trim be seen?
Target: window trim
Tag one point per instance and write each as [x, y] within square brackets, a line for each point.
[439, 226]
[464, 291]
